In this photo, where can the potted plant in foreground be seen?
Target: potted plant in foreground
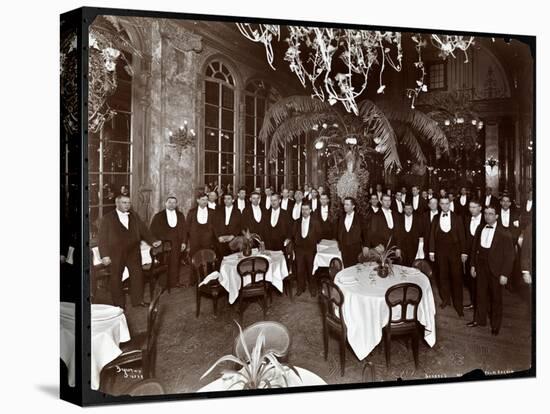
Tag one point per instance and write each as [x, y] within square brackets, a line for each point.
[261, 369]
[244, 243]
[384, 257]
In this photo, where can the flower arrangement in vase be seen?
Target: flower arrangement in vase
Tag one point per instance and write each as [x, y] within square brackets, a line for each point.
[384, 257]
[244, 243]
[259, 369]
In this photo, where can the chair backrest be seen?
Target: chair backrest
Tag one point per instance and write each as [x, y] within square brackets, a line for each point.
[332, 301]
[423, 266]
[277, 339]
[204, 261]
[152, 334]
[255, 267]
[402, 296]
[161, 253]
[334, 267]
[145, 387]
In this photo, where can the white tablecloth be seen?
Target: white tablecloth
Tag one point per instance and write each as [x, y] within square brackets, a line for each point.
[231, 281]
[145, 258]
[109, 329]
[326, 251]
[365, 309]
[226, 383]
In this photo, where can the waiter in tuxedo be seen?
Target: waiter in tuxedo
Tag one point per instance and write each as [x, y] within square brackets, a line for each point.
[490, 199]
[418, 203]
[448, 246]
[471, 223]
[462, 205]
[385, 226]
[492, 265]
[306, 234]
[277, 225]
[212, 200]
[398, 202]
[169, 224]
[296, 211]
[526, 210]
[351, 234]
[325, 219]
[265, 202]
[509, 217]
[120, 234]
[314, 200]
[241, 202]
[200, 226]
[227, 224]
[372, 210]
[428, 218]
[287, 203]
[252, 216]
[412, 232]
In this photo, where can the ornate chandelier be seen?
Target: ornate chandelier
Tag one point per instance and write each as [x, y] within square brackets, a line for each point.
[312, 50]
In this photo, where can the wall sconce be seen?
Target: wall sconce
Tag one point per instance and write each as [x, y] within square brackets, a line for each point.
[491, 166]
[183, 137]
[351, 141]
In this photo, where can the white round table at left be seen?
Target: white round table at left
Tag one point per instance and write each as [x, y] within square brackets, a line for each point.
[228, 383]
[109, 329]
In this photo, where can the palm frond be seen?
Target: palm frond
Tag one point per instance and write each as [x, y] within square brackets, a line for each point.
[409, 140]
[287, 107]
[379, 126]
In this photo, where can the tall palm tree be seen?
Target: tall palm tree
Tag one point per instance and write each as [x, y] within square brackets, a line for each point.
[381, 128]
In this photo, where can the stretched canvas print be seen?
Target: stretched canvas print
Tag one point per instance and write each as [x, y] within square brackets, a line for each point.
[255, 206]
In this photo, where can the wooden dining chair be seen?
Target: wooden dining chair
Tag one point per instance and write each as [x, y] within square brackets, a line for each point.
[277, 339]
[140, 352]
[334, 267]
[401, 297]
[158, 268]
[332, 300]
[205, 262]
[290, 264]
[258, 289]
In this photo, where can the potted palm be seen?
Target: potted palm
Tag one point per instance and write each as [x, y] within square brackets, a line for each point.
[260, 368]
[244, 243]
[384, 257]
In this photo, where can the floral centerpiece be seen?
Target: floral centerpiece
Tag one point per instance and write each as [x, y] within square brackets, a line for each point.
[259, 369]
[384, 257]
[244, 243]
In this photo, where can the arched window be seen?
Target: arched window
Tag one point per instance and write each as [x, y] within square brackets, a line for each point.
[219, 126]
[259, 172]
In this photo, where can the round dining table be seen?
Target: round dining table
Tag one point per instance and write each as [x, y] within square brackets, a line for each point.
[109, 328]
[228, 382]
[365, 311]
[326, 251]
[230, 279]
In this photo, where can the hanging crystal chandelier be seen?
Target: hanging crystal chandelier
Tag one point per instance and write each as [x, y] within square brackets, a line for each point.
[312, 50]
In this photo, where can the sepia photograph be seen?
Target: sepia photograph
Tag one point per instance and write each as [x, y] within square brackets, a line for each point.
[297, 206]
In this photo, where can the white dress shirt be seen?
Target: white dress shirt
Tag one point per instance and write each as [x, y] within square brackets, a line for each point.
[399, 204]
[433, 214]
[172, 218]
[487, 235]
[228, 211]
[202, 215]
[474, 223]
[297, 210]
[416, 199]
[452, 206]
[123, 217]
[267, 203]
[445, 222]
[529, 205]
[463, 200]
[275, 216]
[349, 220]
[487, 200]
[379, 195]
[408, 223]
[324, 213]
[375, 209]
[313, 204]
[241, 204]
[305, 227]
[284, 203]
[389, 217]
[212, 205]
[505, 217]
[257, 212]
